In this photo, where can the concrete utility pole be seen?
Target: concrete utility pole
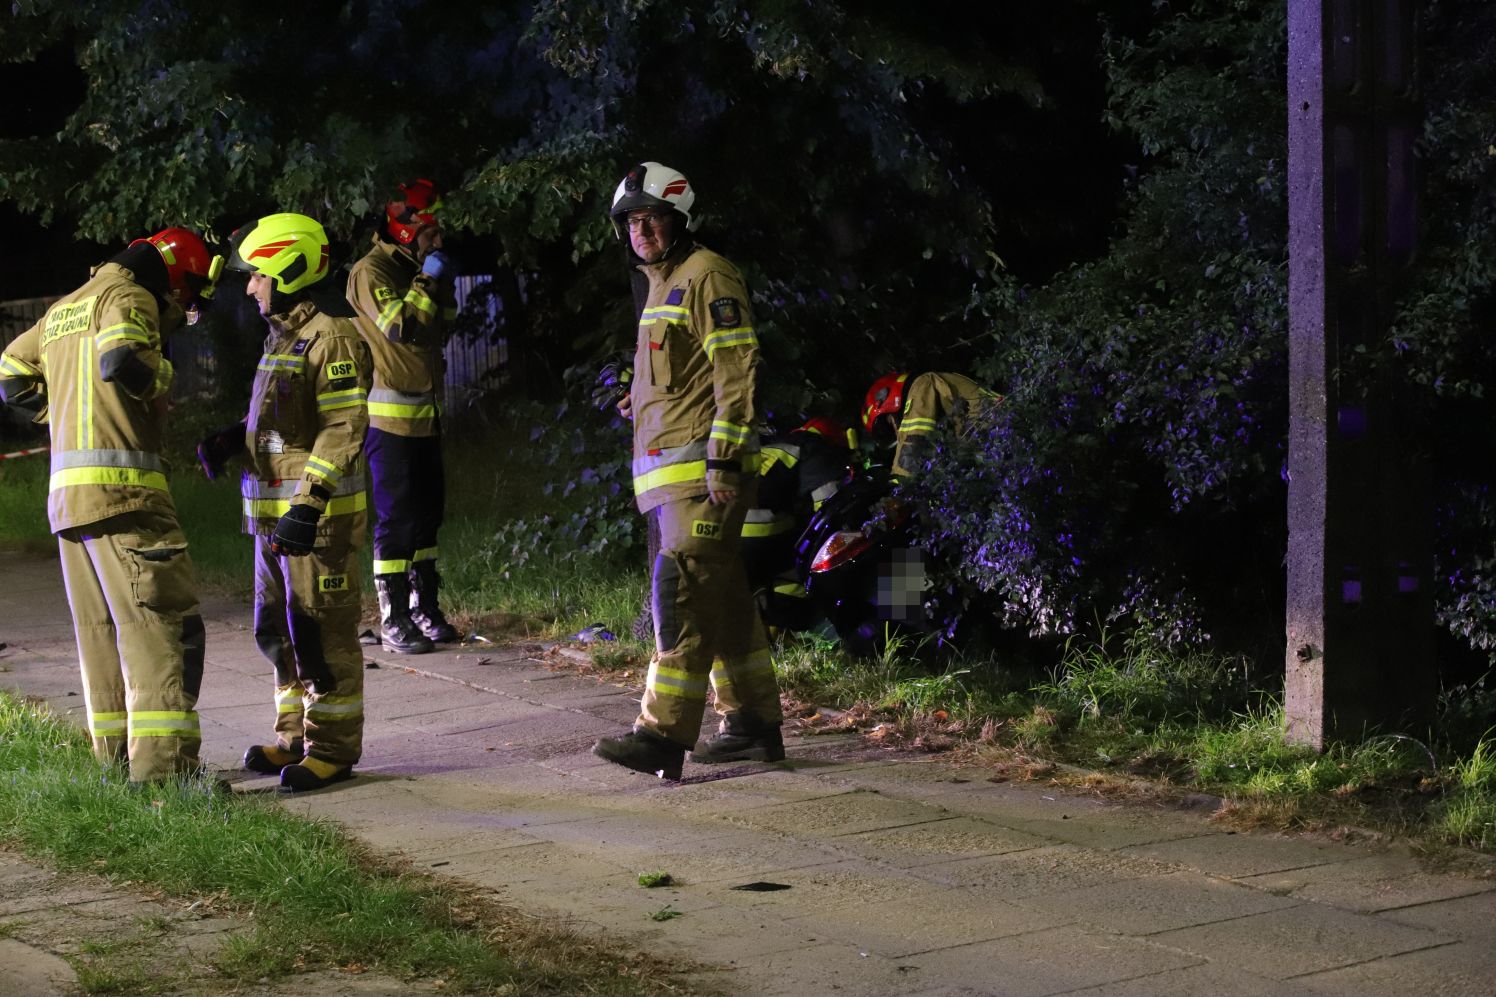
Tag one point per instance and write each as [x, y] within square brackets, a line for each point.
[1360, 608]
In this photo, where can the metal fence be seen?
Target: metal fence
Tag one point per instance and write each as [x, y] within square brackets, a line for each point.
[477, 353]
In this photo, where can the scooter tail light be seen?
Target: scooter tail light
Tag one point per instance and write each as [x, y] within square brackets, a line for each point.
[840, 548]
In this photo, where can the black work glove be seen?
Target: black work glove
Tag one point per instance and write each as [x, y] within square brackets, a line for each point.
[296, 531]
[611, 385]
[218, 448]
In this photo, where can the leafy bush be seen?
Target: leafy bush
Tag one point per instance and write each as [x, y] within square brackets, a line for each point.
[582, 463]
[1132, 475]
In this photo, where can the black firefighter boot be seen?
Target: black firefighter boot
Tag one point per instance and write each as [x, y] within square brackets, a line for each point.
[397, 631]
[424, 611]
[740, 739]
[643, 751]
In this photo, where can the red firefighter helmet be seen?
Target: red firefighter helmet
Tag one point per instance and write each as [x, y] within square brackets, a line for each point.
[416, 209]
[885, 397]
[191, 270]
[831, 430]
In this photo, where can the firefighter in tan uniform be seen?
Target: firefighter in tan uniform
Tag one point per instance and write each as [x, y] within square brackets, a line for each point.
[92, 369]
[304, 501]
[695, 458]
[914, 406]
[402, 293]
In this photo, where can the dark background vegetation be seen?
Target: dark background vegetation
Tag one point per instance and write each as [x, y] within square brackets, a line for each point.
[1080, 203]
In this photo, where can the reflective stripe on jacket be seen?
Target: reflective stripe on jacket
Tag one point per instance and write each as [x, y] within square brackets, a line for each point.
[106, 438]
[305, 431]
[695, 364]
[403, 316]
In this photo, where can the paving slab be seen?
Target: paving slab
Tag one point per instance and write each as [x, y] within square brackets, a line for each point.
[1049, 961]
[1472, 918]
[1109, 827]
[1152, 904]
[942, 840]
[1298, 940]
[1195, 981]
[35, 972]
[1370, 884]
[1461, 968]
[1235, 856]
[842, 814]
[1016, 875]
[887, 920]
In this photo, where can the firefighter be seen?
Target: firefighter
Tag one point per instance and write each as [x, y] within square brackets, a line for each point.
[910, 408]
[402, 293]
[303, 500]
[93, 370]
[798, 472]
[694, 463]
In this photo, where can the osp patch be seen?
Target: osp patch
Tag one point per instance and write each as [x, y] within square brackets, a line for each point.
[332, 583]
[726, 313]
[706, 529]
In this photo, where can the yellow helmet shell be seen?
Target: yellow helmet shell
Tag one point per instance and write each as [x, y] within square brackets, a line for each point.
[290, 249]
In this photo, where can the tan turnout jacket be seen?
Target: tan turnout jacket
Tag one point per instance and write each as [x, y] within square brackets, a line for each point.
[305, 430]
[106, 440]
[932, 399]
[403, 316]
[695, 366]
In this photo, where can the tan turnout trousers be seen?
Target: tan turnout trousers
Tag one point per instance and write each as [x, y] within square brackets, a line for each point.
[133, 593]
[706, 623]
[306, 624]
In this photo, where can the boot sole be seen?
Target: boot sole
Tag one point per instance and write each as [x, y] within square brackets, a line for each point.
[746, 755]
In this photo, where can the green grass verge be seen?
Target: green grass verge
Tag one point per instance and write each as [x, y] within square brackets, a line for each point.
[1141, 717]
[315, 898]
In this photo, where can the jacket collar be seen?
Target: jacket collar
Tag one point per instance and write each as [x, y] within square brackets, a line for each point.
[398, 254]
[169, 314]
[659, 273]
[291, 322]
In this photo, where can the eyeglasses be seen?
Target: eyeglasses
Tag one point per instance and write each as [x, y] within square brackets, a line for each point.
[636, 222]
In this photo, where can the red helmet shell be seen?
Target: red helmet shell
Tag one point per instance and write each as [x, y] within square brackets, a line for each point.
[420, 200]
[189, 265]
[830, 429]
[885, 397]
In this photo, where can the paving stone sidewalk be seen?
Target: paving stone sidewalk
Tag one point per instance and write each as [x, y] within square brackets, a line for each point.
[845, 870]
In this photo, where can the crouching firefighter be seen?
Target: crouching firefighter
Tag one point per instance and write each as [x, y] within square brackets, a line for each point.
[694, 458]
[92, 368]
[798, 472]
[303, 499]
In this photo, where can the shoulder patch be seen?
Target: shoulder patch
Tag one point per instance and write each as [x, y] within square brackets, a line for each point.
[384, 294]
[300, 347]
[676, 296]
[726, 313]
[341, 368]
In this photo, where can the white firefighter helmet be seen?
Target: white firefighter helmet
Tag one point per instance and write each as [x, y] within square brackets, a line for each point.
[653, 185]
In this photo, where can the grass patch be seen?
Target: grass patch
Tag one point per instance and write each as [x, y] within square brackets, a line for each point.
[316, 898]
[23, 499]
[654, 880]
[1124, 711]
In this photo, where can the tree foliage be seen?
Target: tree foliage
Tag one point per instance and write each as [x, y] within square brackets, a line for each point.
[1083, 203]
